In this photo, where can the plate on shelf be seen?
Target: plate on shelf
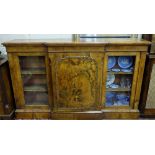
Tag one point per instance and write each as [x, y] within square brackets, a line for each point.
[122, 103]
[110, 98]
[125, 61]
[114, 86]
[108, 103]
[111, 62]
[123, 99]
[121, 96]
[126, 70]
[116, 70]
[110, 79]
[110, 95]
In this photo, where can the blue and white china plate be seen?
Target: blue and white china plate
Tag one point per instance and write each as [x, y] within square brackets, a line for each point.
[111, 62]
[121, 96]
[109, 103]
[121, 103]
[110, 95]
[125, 61]
[126, 70]
[109, 98]
[116, 70]
[114, 86]
[110, 79]
[123, 99]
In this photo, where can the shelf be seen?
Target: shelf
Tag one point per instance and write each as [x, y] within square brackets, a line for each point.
[110, 72]
[30, 72]
[114, 106]
[35, 88]
[118, 89]
[36, 103]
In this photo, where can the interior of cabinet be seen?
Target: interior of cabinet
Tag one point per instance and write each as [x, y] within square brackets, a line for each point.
[33, 73]
[119, 80]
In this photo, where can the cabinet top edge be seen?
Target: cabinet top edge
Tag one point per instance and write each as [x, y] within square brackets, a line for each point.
[69, 42]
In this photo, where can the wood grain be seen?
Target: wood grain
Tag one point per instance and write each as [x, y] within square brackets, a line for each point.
[75, 81]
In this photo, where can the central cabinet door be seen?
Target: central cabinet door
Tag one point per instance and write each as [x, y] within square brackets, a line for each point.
[76, 80]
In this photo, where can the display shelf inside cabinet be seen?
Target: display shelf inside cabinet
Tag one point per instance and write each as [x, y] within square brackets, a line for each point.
[62, 79]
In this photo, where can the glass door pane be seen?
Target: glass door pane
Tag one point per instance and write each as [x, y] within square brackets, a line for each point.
[33, 73]
[120, 71]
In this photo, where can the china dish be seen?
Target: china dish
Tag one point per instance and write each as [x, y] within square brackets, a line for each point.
[114, 86]
[116, 70]
[110, 98]
[125, 61]
[110, 79]
[123, 99]
[111, 62]
[121, 102]
[126, 70]
[121, 96]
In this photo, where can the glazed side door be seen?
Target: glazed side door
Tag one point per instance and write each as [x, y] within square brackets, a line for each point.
[30, 80]
[120, 80]
[76, 80]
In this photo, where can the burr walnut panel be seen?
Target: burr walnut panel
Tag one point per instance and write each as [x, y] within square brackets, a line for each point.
[76, 81]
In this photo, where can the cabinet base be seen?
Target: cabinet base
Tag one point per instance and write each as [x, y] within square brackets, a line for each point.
[32, 114]
[95, 115]
[88, 115]
[8, 116]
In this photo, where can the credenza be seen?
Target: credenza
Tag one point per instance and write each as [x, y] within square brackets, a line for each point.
[65, 79]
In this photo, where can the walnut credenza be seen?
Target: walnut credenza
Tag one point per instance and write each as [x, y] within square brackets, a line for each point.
[73, 80]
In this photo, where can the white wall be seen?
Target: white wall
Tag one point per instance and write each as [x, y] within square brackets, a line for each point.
[7, 37]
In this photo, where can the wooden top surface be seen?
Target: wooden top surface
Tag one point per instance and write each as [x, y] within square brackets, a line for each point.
[82, 42]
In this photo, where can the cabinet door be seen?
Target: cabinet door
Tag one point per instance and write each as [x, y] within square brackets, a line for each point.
[76, 79]
[120, 79]
[29, 75]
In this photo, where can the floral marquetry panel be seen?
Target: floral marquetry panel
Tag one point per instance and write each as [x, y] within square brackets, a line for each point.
[76, 82]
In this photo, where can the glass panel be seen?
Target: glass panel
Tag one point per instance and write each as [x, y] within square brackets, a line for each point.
[36, 98]
[32, 63]
[34, 79]
[29, 80]
[117, 98]
[120, 71]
